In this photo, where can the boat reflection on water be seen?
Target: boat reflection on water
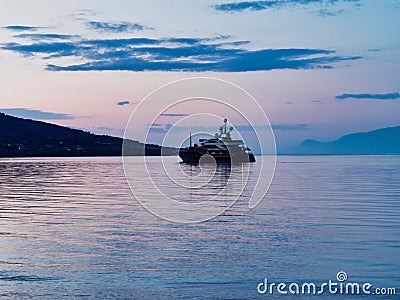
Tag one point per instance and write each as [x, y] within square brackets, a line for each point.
[188, 193]
[217, 181]
[220, 172]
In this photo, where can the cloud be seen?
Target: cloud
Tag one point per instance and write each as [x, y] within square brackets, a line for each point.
[160, 128]
[324, 12]
[122, 103]
[83, 14]
[21, 28]
[291, 127]
[174, 115]
[233, 7]
[173, 54]
[247, 5]
[199, 58]
[108, 131]
[286, 127]
[115, 27]
[45, 36]
[104, 128]
[244, 130]
[388, 96]
[36, 114]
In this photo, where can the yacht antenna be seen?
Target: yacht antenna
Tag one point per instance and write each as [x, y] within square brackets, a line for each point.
[225, 121]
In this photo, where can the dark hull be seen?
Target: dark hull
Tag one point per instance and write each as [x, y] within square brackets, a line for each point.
[193, 156]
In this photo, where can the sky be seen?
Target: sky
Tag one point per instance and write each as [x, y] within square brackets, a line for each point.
[318, 68]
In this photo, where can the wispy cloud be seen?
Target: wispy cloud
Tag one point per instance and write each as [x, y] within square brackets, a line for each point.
[160, 128]
[285, 127]
[387, 96]
[83, 14]
[317, 101]
[21, 28]
[233, 7]
[291, 127]
[45, 36]
[116, 27]
[174, 54]
[324, 12]
[108, 130]
[36, 114]
[246, 5]
[104, 128]
[174, 115]
[122, 103]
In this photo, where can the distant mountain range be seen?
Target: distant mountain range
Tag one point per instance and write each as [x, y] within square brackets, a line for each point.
[380, 141]
[25, 138]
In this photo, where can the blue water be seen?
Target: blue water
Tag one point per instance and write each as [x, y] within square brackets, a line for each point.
[70, 228]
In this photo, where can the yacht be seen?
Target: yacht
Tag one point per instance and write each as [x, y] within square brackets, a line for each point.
[221, 149]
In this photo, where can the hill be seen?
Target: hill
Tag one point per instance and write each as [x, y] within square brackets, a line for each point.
[27, 138]
[380, 141]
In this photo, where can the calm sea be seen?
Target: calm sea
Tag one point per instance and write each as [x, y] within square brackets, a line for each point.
[70, 228]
